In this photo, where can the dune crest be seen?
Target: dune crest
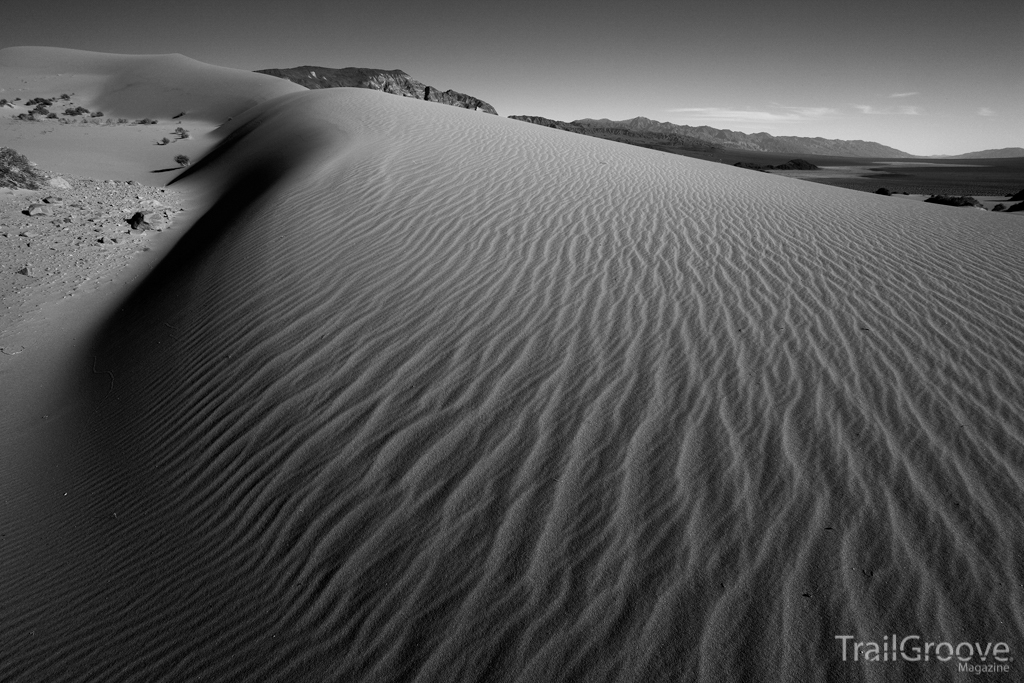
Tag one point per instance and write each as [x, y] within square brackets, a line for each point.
[433, 396]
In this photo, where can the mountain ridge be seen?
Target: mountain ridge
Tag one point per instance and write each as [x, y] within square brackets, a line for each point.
[394, 81]
[758, 142]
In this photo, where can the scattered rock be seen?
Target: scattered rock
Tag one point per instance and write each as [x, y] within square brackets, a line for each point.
[59, 183]
[29, 271]
[53, 200]
[28, 233]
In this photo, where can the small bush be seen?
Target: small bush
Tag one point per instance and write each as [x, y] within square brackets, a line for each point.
[5, 103]
[182, 160]
[164, 141]
[17, 172]
[96, 114]
[122, 121]
[64, 97]
[76, 111]
[51, 116]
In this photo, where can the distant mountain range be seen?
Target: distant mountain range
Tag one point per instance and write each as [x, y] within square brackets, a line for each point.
[394, 81]
[703, 138]
[619, 131]
[1003, 153]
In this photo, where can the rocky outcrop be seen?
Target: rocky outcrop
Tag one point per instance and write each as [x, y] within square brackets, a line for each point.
[394, 81]
[758, 142]
[651, 139]
[1019, 197]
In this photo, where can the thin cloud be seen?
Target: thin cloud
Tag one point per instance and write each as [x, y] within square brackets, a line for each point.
[905, 110]
[985, 111]
[904, 94]
[782, 114]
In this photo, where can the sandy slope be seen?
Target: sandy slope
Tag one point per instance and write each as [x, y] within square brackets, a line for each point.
[431, 395]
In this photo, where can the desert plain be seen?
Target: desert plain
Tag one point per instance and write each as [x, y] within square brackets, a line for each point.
[401, 391]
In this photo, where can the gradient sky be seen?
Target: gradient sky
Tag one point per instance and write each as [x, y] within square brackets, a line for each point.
[924, 76]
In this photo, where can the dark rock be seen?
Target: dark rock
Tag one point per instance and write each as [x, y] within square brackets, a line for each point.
[1015, 208]
[949, 200]
[1019, 197]
[796, 165]
[883, 191]
[999, 207]
[53, 200]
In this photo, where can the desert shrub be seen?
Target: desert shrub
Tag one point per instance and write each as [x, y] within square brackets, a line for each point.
[5, 103]
[64, 97]
[51, 115]
[178, 116]
[16, 171]
[883, 191]
[164, 141]
[182, 160]
[75, 111]
[96, 114]
[39, 100]
[41, 110]
[122, 120]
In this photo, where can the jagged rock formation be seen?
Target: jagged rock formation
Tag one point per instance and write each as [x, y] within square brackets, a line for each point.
[758, 142]
[618, 133]
[394, 81]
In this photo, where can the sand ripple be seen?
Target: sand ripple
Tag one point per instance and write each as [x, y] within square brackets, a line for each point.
[434, 396]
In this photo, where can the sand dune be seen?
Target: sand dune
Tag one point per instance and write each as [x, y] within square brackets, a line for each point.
[431, 395]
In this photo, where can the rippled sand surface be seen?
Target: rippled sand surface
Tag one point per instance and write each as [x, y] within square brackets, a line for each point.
[432, 395]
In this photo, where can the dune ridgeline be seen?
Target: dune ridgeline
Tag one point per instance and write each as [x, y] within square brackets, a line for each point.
[433, 395]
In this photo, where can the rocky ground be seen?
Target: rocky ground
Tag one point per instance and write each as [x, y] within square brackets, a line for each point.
[71, 236]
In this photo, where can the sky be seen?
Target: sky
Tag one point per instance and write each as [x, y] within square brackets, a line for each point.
[923, 76]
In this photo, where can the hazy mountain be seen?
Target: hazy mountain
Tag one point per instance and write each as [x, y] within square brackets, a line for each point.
[394, 81]
[619, 133]
[1003, 153]
[758, 142]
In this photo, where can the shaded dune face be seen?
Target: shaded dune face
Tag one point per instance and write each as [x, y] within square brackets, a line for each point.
[437, 396]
